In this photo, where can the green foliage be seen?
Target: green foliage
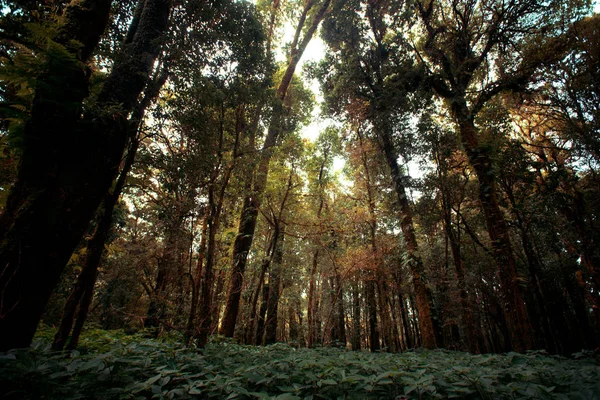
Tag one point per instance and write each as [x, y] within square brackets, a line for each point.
[127, 367]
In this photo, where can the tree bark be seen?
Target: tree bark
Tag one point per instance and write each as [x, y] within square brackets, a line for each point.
[338, 335]
[355, 339]
[260, 324]
[197, 281]
[44, 217]
[372, 315]
[95, 247]
[274, 290]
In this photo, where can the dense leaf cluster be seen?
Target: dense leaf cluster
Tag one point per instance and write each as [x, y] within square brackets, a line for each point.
[119, 366]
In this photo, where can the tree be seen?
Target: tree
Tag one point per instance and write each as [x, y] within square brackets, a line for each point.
[471, 52]
[366, 85]
[252, 200]
[63, 174]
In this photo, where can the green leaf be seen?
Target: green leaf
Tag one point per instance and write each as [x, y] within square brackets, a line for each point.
[152, 380]
[287, 396]
[329, 382]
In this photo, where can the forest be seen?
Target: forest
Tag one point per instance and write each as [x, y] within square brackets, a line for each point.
[190, 184]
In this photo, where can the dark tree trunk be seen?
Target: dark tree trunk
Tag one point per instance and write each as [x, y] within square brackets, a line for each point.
[385, 315]
[48, 209]
[206, 293]
[312, 302]
[82, 312]
[428, 326]
[216, 305]
[266, 262]
[466, 304]
[584, 334]
[410, 340]
[197, 281]
[515, 310]
[95, 247]
[295, 324]
[356, 325]
[274, 290]
[216, 199]
[338, 335]
[260, 323]
[372, 316]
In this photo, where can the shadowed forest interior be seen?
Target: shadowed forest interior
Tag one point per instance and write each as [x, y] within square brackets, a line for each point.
[429, 181]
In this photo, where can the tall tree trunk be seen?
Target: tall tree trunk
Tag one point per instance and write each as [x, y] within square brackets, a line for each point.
[216, 199]
[385, 314]
[409, 338]
[356, 325]
[514, 307]
[197, 280]
[266, 262]
[576, 215]
[338, 335]
[68, 163]
[206, 295]
[82, 312]
[428, 327]
[311, 307]
[243, 240]
[294, 325]
[260, 324]
[274, 290]
[86, 280]
[459, 268]
[312, 301]
[372, 315]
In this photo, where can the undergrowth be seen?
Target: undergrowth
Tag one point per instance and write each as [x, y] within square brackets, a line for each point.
[119, 366]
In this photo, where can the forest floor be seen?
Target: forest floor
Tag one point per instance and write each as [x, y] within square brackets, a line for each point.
[112, 365]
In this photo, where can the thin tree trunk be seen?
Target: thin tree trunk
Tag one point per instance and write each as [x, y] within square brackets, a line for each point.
[215, 207]
[428, 327]
[82, 312]
[312, 329]
[243, 240]
[467, 309]
[274, 290]
[197, 280]
[312, 303]
[340, 320]
[356, 325]
[266, 262]
[260, 325]
[385, 315]
[372, 315]
[410, 340]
